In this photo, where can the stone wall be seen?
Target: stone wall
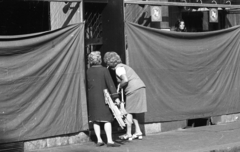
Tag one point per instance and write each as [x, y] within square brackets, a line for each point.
[176, 125]
[218, 120]
[147, 129]
[56, 141]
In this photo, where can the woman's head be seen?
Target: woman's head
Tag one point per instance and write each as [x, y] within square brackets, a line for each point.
[180, 25]
[112, 59]
[94, 58]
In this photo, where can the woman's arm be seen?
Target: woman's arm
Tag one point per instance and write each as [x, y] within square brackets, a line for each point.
[124, 81]
[122, 77]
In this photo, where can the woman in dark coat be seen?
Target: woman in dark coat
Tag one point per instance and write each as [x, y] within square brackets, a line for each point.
[98, 79]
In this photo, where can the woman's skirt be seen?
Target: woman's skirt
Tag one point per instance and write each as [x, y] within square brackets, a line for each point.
[136, 101]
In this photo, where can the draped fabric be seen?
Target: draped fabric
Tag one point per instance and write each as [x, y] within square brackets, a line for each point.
[187, 75]
[42, 89]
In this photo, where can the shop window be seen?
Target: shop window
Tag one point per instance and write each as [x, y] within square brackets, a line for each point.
[24, 17]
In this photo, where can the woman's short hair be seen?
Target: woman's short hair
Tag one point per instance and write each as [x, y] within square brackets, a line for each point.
[94, 58]
[112, 59]
[178, 22]
[177, 26]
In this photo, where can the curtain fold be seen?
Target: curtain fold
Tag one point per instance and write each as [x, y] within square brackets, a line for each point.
[42, 88]
[188, 75]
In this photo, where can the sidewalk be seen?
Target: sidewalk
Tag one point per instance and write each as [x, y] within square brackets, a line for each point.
[215, 138]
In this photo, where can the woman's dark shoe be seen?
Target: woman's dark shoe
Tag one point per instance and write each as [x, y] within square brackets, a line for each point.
[112, 145]
[99, 144]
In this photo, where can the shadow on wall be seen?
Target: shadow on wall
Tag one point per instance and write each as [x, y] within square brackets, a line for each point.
[12, 147]
[143, 20]
[74, 9]
[7, 144]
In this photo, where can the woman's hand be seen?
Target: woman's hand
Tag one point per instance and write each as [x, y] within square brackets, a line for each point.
[117, 101]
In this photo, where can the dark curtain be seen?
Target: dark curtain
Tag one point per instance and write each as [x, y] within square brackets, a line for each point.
[188, 75]
[42, 90]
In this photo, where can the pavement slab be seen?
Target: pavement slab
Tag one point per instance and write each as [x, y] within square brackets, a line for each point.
[214, 138]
